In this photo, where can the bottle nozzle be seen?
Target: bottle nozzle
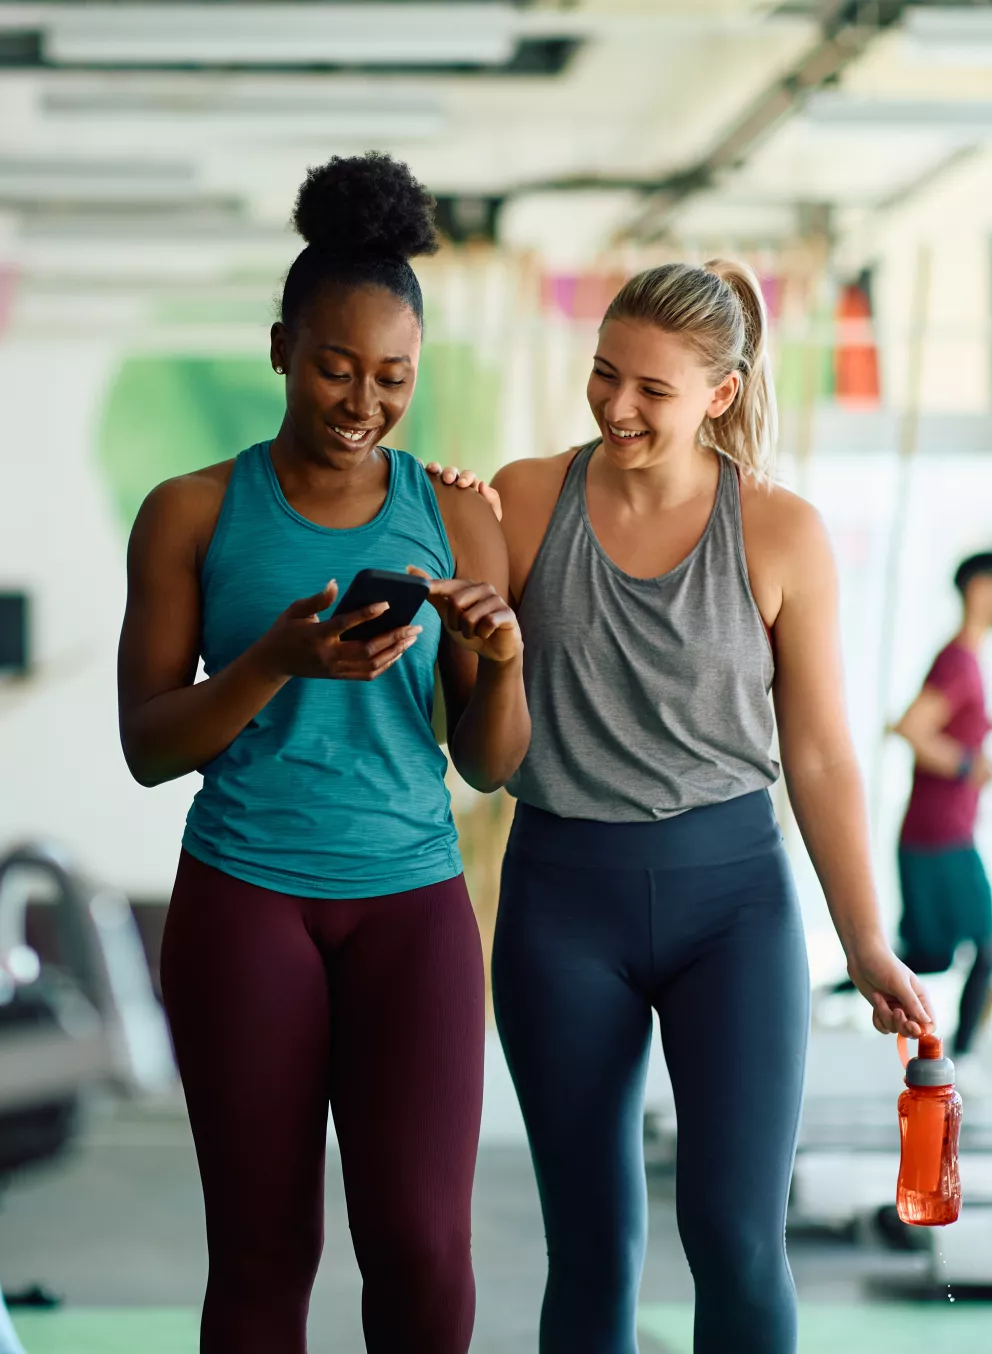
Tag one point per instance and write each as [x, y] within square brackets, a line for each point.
[930, 1067]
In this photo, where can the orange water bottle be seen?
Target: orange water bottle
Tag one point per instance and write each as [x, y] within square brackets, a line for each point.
[929, 1189]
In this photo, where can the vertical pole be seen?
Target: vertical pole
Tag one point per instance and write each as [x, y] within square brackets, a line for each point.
[810, 270]
[909, 437]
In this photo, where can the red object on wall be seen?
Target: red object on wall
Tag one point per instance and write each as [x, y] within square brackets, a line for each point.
[855, 354]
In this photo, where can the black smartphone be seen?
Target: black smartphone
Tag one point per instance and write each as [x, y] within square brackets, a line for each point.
[405, 593]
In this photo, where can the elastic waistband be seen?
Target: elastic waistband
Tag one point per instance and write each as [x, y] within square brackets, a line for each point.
[716, 834]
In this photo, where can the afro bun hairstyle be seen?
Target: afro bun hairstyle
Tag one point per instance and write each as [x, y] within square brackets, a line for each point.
[366, 206]
[362, 217]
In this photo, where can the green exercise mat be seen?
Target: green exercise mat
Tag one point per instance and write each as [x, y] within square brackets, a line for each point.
[910, 1328]
[99, 1330]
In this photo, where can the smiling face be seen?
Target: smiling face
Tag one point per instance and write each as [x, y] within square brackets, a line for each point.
[649, 392]
[351, 366]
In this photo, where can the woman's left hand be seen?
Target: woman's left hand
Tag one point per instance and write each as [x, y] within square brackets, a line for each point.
[475, 616]
[898, 999]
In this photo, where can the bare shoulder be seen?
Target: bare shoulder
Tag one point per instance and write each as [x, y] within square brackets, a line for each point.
[190, 494]
[463, 512]
[533, 476]
[786, 545]
[776, 519]
[529, 490]
[182, 512]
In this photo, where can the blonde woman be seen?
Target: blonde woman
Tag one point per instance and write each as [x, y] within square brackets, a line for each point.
[666, 590]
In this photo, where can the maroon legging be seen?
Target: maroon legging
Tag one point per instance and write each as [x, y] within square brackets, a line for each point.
[280, 1005]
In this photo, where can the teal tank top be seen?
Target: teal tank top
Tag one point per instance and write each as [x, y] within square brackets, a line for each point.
[335, 789]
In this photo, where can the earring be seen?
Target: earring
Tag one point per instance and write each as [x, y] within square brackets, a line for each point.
[280, 372]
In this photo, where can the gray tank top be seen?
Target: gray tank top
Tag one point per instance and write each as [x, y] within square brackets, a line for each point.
[648, 696]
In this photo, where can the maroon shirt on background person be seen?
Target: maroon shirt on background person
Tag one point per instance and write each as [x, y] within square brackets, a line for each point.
[942, 812]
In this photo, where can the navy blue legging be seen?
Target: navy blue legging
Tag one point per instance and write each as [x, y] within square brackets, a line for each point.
[696, 918]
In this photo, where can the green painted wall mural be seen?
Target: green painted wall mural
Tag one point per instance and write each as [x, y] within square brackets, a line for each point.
[166, 416]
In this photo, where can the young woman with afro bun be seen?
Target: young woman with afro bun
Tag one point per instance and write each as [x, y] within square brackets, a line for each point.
[321, 948]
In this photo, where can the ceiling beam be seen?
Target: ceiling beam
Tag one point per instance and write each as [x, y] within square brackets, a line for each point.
[847, 28]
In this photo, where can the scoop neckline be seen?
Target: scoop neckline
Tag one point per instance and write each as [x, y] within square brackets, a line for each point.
[683, 564]
[290, 511]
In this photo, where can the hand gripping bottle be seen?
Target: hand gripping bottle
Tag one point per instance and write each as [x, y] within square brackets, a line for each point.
[929, 1189]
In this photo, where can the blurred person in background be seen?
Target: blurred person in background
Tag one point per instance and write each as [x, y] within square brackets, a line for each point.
[320, 943]
[945, 892]
[666, 588]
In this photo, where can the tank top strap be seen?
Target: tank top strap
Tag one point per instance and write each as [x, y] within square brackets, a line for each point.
[568, 504]
[415, 497]
[564, 532]
[730, 473]
[246, 494]
[575, 475]
[731, 515]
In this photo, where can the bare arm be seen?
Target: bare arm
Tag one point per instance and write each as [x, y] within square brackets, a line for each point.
[481, 654]
[822, 774]
[170, 724]
[923, 727]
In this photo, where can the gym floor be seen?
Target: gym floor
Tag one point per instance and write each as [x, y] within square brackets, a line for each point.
[116, 1227]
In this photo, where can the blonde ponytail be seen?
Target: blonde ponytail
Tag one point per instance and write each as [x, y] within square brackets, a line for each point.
[720, 310]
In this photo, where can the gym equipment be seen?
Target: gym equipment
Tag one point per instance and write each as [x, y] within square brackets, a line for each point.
[94, 1019]
[89, 1023]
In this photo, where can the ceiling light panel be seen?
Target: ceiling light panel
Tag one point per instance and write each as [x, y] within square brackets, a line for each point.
[950, 36]
[804, 161]
[49, 179]
[124, 115]
[292, 34]
[857, 115]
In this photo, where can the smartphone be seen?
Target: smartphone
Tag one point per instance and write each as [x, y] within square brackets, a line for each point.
[405, 593]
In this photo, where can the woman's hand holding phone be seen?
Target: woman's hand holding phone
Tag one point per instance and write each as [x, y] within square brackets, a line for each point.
[475, 616]
[299, 644]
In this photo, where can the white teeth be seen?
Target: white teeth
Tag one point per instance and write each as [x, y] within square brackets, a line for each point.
[351, 435]
[619, 432]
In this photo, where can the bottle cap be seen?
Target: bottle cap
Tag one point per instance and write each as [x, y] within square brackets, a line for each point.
[930, 1067]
